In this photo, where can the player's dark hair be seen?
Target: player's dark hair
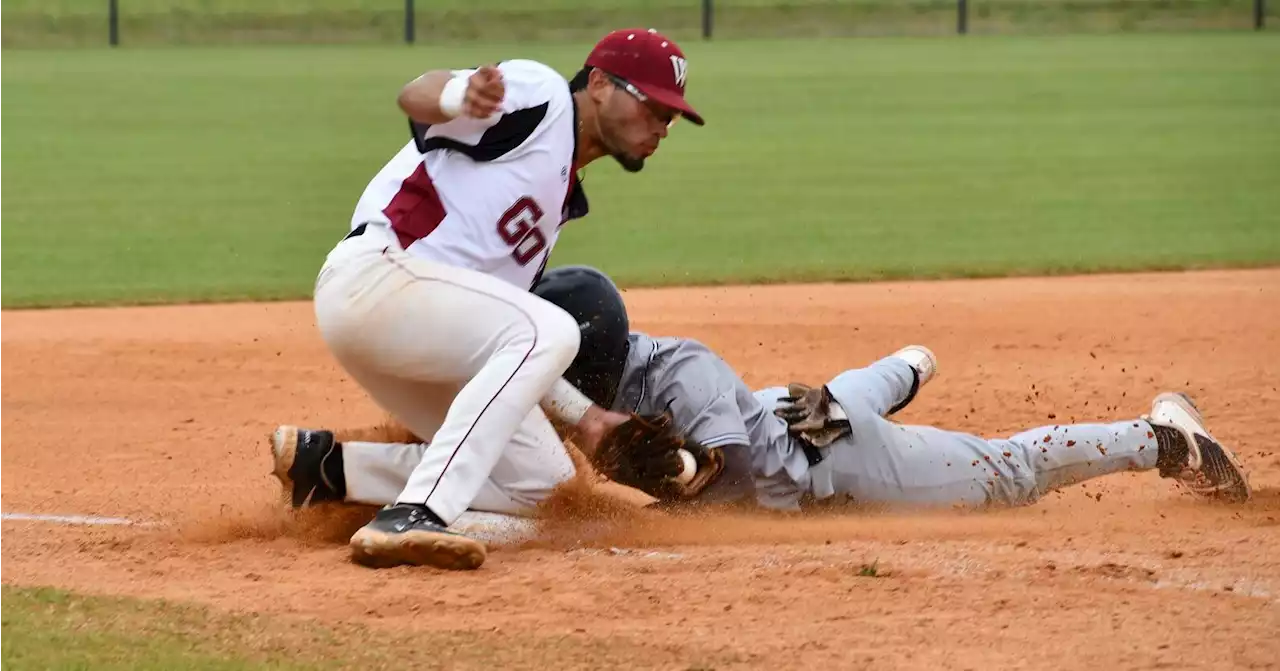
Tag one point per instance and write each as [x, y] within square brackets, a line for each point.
[579, 81]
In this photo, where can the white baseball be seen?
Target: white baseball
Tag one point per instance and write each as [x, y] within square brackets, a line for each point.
[690, 468]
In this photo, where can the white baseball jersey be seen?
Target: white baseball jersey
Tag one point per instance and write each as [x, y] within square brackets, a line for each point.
[488, 195]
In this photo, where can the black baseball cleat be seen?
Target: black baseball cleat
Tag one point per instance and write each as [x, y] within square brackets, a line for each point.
[1200, 463]
[407, 533]
[308, 464]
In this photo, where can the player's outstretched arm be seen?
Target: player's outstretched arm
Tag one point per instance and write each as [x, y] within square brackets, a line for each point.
[586, 422]
[591, 430]
[439, 96]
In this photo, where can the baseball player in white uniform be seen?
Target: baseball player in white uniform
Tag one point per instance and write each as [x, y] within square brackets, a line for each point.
[426, 303]
[784, 446]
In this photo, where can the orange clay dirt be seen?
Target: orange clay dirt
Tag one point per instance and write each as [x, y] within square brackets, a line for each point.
[160, 415]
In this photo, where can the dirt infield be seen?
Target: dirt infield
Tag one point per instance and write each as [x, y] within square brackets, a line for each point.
[159, 415]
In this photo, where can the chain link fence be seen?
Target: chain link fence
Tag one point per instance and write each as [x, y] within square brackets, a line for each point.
[62, 23]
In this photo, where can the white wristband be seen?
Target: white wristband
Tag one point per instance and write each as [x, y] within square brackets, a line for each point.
[452, 96]
[564, 401]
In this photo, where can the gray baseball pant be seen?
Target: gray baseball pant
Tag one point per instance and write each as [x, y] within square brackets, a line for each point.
[886, 462]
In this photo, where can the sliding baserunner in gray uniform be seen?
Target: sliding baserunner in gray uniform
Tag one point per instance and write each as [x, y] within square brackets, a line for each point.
[843, 444]
[785, 446]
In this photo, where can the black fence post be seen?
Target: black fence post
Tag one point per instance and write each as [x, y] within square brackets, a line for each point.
[113, 22]
[708, 9]
[1259, 14]
[962, 16]
[408, 21]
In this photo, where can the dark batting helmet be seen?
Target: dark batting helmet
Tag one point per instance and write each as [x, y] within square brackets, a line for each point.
[593, 300]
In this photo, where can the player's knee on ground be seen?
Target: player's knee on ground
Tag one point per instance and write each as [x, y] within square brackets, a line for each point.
[529, 493]
[528, 472]
[520, 498]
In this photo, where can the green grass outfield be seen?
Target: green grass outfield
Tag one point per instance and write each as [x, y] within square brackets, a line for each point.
[227, 173]
[49, 629]
[52, 629]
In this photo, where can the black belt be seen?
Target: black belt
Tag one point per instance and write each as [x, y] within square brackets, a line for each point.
[811, 452]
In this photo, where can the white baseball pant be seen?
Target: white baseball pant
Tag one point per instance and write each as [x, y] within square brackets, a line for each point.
[461, 359]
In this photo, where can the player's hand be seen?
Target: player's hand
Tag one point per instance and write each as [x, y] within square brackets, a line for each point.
[804, 408]
[485, 90]
[594, 425]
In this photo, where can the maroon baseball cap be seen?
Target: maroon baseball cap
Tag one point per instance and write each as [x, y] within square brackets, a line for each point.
[650, 62]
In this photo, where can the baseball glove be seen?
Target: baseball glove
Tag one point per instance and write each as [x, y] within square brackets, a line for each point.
[644, 453]
[810, 413]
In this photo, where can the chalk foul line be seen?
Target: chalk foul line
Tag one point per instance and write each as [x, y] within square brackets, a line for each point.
[75, 520]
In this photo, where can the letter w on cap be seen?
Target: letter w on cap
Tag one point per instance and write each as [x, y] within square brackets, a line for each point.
[681, 68]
